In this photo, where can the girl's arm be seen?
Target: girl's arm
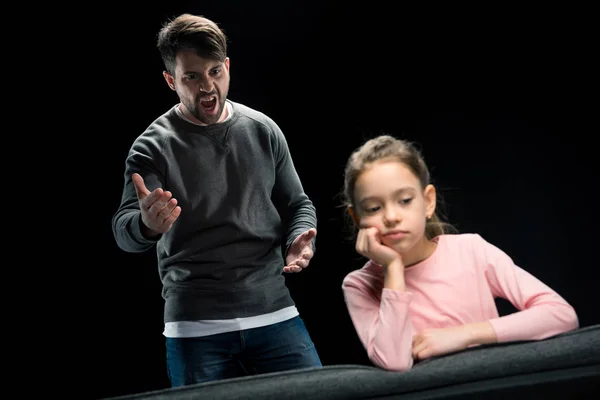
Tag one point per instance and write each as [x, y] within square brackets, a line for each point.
[439, 341]
[542, 311]
[383, 327]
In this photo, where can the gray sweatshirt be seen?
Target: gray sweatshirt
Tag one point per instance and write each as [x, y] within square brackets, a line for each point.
[242, 206]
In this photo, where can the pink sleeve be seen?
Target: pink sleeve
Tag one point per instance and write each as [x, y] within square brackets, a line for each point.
[384, 328]
[542, 312]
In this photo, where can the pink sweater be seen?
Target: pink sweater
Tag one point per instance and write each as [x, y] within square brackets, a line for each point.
[456, 285]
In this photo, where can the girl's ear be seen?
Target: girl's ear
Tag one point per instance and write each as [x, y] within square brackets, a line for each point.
[353, 215]
[430, 200]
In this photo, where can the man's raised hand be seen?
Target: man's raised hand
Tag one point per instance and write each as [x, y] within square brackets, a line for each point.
[159, 208]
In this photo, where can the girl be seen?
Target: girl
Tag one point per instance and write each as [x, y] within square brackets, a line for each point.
[426, 291]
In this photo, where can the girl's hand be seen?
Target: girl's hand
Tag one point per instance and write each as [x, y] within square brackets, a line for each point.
[436, 342]
[369, 245]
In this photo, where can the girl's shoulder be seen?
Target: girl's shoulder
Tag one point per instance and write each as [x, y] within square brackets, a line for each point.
[454, 239]
[370, 274]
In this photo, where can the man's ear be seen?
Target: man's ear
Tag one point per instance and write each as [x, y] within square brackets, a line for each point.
[430, 196]
[170, 80]
[354, 215]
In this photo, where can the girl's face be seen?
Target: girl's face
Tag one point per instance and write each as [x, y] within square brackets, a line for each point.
[389, 197]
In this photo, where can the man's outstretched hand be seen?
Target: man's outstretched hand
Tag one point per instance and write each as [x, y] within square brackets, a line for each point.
[301, 251]
[159, 208]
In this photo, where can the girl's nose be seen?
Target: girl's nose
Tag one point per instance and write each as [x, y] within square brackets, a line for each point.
[391, 217]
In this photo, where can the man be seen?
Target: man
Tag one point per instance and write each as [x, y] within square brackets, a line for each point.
[212, 184]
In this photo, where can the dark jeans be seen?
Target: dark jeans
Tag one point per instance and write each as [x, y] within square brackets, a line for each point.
[282, 346]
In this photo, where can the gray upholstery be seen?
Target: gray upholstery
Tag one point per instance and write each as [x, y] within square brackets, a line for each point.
[568, 356]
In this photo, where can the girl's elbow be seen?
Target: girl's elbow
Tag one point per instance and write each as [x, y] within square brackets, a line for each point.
[566, 320]
[572, 320]
[396, 365]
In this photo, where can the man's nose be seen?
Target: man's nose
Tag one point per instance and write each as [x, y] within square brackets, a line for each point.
[206, 84]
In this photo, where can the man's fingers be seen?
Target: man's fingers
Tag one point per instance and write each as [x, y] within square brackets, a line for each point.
[140, 187]
[292, 268]
[305, 237]
[169, 213]
[158, 200]
[310, 234]
[159, 208]
[167, 208]
[172, 216]
[296, 265]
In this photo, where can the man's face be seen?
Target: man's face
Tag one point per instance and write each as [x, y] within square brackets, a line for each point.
[202, 86]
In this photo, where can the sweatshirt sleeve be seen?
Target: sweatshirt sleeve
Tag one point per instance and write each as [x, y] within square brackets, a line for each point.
[126, 221]
[295, 207]
[542, 312]
[383, 327]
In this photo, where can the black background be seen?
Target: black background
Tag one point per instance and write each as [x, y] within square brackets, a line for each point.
[496, 97]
